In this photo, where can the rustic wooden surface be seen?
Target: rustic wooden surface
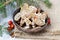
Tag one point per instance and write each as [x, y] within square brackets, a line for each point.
[51, 32]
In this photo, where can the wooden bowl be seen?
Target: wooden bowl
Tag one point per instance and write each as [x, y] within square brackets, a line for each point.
[34, 30]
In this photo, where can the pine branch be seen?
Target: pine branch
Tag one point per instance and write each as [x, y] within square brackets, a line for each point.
[47, 3]
[5, 3]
